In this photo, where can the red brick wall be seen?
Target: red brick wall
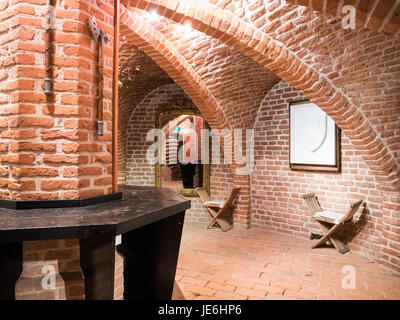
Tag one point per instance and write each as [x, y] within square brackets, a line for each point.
[49, 147]
[4, 95]
[276, 202]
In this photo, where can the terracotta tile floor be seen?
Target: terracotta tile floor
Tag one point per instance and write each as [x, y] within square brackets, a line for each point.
[258, 264]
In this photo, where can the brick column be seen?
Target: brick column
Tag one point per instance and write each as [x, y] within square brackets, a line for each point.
[242, 205]
[49, 148]
[48, 144]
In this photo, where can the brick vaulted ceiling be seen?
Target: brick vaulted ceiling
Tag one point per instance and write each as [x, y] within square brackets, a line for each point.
[308, 49]
[237, 83]
[381, 15]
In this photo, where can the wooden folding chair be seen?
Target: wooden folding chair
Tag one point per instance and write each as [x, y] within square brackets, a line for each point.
[330, 221]
[221, 211]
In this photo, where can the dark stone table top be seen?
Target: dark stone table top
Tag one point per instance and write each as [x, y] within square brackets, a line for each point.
[139, 206]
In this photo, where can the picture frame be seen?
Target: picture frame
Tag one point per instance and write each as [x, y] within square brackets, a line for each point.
[314, 139]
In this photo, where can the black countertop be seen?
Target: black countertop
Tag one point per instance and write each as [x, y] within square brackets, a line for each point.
[139, 206]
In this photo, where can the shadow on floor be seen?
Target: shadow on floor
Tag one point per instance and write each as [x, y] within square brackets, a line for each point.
[177, 293]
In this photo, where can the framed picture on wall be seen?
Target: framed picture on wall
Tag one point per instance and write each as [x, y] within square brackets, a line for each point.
[314, 139]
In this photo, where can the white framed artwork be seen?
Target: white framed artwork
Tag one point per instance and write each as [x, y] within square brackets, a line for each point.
[314, 139]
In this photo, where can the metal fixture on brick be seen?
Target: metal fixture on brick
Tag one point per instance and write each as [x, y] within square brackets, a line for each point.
[100, 36]
[48, 83]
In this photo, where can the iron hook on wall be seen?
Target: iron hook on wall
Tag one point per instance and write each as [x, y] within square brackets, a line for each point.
[100, 36]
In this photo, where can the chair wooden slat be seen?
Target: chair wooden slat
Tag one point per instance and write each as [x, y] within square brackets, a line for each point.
[312, 202]
[203, 194]
[352, 211]
[327, 225]
[315, 204]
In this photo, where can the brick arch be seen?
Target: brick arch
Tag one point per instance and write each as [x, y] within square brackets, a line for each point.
[381, 16]
[270, 53]
[137, 170]
[133, 92]
[137, 31]
[160, 50]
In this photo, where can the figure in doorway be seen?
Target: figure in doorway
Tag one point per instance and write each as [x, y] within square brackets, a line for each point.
[188, 167]
[188, 171]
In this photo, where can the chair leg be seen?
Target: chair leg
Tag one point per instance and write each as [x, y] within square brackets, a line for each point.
[213, 221]
[211, 224]
[213, 214]
[329, 235]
